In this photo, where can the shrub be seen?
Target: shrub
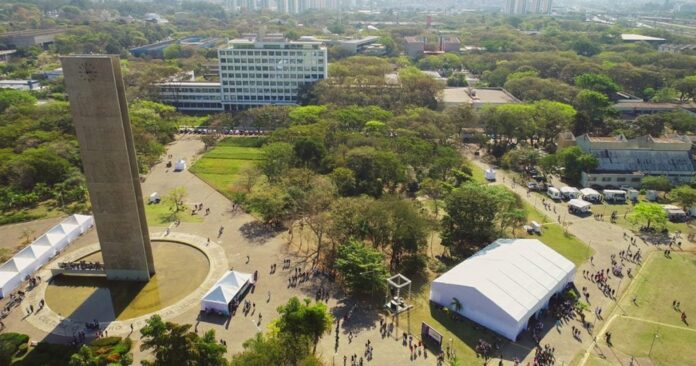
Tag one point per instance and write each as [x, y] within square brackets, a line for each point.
[22, 349]
[105, 342]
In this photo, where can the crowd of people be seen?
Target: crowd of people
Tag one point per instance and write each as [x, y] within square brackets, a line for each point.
[81, 266]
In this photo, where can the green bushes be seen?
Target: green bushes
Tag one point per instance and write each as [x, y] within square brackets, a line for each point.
[10, 345]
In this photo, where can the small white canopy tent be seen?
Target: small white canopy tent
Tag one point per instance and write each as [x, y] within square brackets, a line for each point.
[577, 205]
[570, 192]
[219, 297]
[589, 194]
[490, 174]
[504, 284]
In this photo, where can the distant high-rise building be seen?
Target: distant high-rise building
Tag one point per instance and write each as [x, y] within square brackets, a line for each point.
[521, 7]
[515, 7]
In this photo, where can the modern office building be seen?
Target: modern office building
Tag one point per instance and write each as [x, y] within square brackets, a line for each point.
[268, 70]
[253, 71]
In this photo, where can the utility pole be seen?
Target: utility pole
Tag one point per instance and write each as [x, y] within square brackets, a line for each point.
[657, 334]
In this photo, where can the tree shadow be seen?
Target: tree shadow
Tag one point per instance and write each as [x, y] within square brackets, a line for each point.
[258, 232]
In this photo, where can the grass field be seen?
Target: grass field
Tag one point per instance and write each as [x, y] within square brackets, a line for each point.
[661, 281]
[161, 214]
[219, 166]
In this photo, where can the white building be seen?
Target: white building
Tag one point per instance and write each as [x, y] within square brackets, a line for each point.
[504, 284]
[521, 7]
[27, 85]
[270, 70]
[192, 97]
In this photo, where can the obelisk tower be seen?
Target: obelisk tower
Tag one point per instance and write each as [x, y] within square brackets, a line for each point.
[100, 116]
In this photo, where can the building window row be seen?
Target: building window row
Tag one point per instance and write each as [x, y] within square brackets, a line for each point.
[270, 53]
[281, 68]
[272, 76]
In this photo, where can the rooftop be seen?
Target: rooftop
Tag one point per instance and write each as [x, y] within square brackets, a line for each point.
[639, 37]
[467, 95]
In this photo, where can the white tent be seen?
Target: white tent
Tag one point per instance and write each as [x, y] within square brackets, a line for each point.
[504, 284]
[31, 258]
[490, 174]
[590, 194]
[577, 205]
[570, 192]
[224, 291]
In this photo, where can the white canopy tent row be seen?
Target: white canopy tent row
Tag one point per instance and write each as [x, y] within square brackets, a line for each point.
[589, 194]
[228, 288]
[504, 284]
[28, 260]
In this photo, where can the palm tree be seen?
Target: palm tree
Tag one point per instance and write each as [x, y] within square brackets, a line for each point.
[456, 305]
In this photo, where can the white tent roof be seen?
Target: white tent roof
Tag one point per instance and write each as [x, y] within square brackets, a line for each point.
[579, 203]
[9, 266]
[78, 219]
[589, 192]
[514, 274]
[42, 241]
[569, 190]
[227, 287]
[55, 235]
[68, 227]
[22, 263]
[26, 253]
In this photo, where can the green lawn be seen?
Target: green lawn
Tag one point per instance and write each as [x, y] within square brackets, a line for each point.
[161, 214]
[672, 346]
[553, 235]
[661, 281]
[219, 166]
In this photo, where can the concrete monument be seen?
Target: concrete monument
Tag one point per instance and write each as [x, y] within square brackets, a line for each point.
[100, 115]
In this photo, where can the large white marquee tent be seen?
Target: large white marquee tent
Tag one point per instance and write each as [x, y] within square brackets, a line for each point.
[504, 284]
[219, 297]
[38, 253]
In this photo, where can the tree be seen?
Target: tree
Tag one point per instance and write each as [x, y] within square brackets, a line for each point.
[681, 121]
[374, 170]
[170, 343]
[585, 47]
[551, 118]
[361, 268]
[270, 201]
[277, 159]
[309, 152]
[176, 197]
[210, 351]
[657, 183]
[685, 196]
[84, 357]
[592, 106]
[597, 82]
[649, 124]
[475, 214]
[686, 88]
[304, 319]
[574, 162]
[344, 179]
[649, 214]
[16, 98]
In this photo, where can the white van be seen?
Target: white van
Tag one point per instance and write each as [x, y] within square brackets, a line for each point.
[554, 193]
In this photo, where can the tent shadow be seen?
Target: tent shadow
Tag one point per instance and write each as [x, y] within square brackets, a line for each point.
[471, 333]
